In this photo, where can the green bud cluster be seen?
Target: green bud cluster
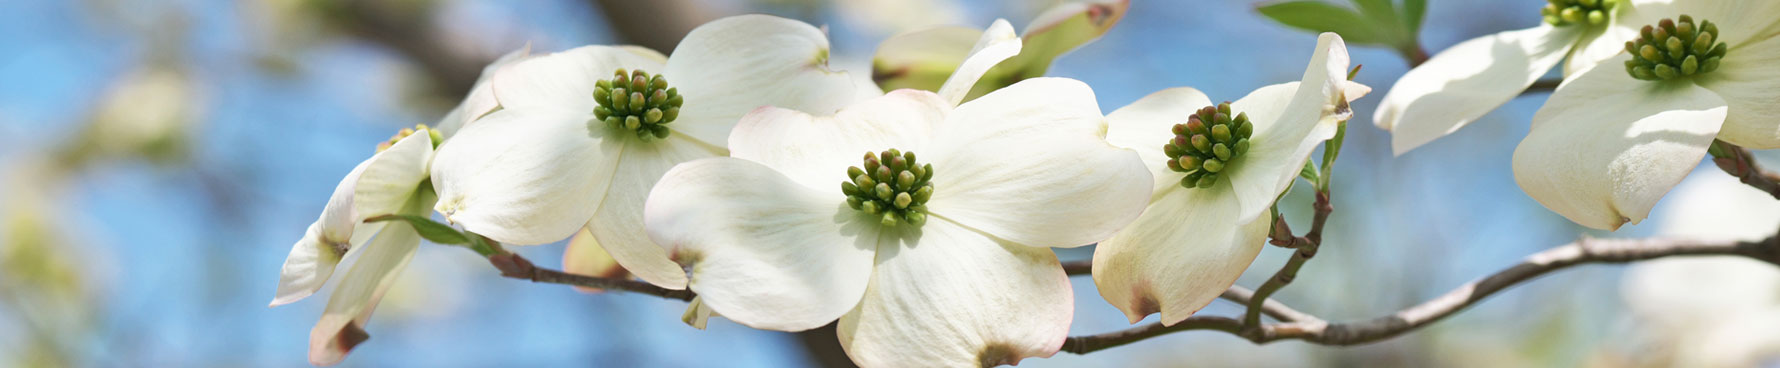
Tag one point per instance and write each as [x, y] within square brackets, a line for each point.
[1205, 146]
[637, 101]
[1567, 12]
[892, 185]
[1673, 49]
[405, 132]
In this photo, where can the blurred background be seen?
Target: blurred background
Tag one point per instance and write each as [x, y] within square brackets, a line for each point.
[159, 158]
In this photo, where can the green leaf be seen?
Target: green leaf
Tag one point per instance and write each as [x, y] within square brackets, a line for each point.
[433, 231]
[1383, 15]
[1308, 172]
[1413, 11]
[924, 59]
[1317, 16]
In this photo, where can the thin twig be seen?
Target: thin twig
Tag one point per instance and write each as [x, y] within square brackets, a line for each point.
[1543, 86]
[514, 266]
[1739, 162]
[1586, 251]
[1306, 245]
[1078, 268]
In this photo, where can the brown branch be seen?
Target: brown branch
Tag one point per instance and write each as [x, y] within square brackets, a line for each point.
[1739, 162]
[1586, 251]
[1306, 245]
[410, 34]
[514, 266]
[1543, 86]
[1078, 268]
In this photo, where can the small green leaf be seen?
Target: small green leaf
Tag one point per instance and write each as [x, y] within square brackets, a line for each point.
[1413, 11]
[433, 231]
[1317, 16]
[924, 59]
[1309, 172]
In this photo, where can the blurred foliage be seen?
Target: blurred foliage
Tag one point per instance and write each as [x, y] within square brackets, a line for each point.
[1381, 23]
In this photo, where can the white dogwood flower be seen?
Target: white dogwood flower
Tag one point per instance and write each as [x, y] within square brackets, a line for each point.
[1613, 139]
[390, 182]
[582, 135]
[1466, 81]
[936, 260]
[1217, 169]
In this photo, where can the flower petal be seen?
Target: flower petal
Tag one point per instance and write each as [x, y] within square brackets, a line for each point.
[1606, 147]
[619, 223]
[996, 44]
[564, 81]
[1029, 163]
[1144, 126]
[1287, 131]
[731, 66]
[525, 177]
[816, 150]
[1741, 21]
[307, 268]
[1749, 80]
[1598, 44]
[584, 256]
[341, 325]
[763, 251]
[1468, 80]
[947, 296]
[1186, 249]
[481, 99]
[390, 177]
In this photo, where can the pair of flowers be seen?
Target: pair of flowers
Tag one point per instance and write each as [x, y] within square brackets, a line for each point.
[1649, 86]
[788, 196]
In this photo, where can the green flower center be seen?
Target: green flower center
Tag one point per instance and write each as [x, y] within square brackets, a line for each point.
[405, 132]
[1567, 12]
[1207, 144]
[1674, 49]
[892, 185]
[637, 101]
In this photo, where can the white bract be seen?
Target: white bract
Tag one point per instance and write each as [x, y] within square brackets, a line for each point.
[1717, 311]
[1466, 81]
[1614, 138]
[546, 165]
[938, 259]
[392, 181]
[1198, 235]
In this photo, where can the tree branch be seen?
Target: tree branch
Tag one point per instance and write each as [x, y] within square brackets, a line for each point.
[514, 266]
[1306, 245]
[1740, 163]
[1543, 86]
[1586, 251]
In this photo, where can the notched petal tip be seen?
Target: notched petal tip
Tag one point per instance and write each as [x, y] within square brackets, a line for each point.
[334, 349]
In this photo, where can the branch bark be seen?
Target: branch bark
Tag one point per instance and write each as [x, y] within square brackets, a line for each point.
[514, 266]
[1739, 162]
[1586, 251]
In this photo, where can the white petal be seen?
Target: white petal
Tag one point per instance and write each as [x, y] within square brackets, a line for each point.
[1468, 80]
[816, 150]
[565, 80]
[525, 177]
[947, 296]
[1144, 126]
[1285, 137]
[354, 299]
[763, 251]
[310, 263]
[1598, 44]
[1606, 147]
[1739, 21]
[1180, 255]
[481, 99]
[1749, 80]
[619, 223]
[997, 43]
[584, 256]
[731, 66]
[1029, 163]
[312, 258]
[391, 176]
